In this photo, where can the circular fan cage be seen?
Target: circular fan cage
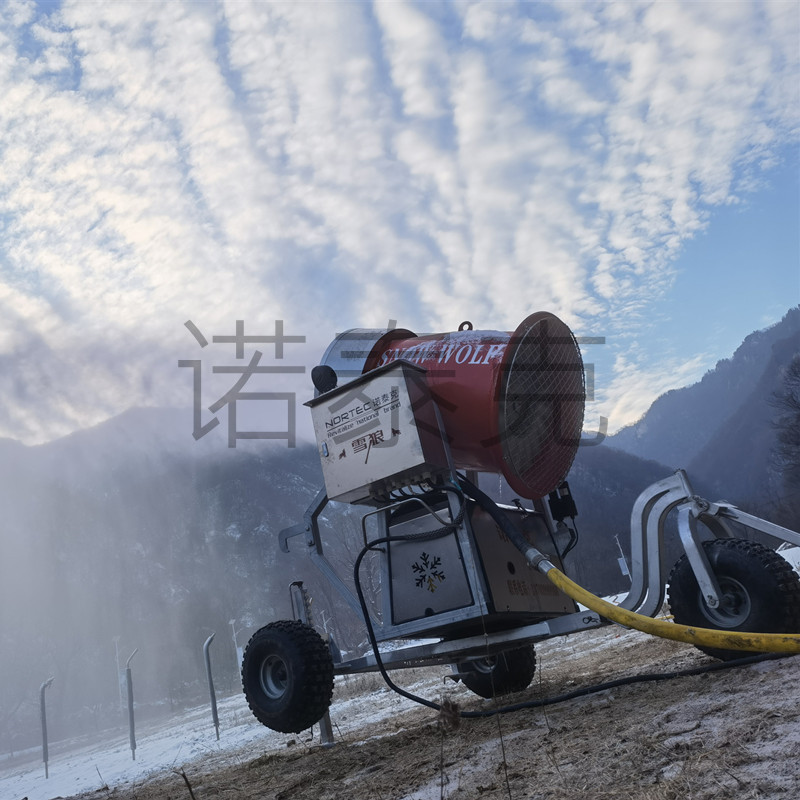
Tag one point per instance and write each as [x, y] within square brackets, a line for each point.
[542, 396]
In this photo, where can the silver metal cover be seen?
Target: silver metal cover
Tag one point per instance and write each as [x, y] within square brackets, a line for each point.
[347, 354]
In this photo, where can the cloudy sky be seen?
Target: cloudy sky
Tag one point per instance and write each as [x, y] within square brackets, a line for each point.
[631, 167]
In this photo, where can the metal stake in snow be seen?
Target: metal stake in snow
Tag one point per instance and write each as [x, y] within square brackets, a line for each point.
[129, 681]
[211, 691]
[238, 650]
[42, 689]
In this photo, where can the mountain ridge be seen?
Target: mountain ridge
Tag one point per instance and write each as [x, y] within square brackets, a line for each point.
[658, 435]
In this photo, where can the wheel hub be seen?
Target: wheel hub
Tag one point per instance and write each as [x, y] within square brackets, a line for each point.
[274, 677]
[485, 665]
[734, 604]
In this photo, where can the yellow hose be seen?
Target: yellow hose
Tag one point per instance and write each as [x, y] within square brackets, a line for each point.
[707, 637]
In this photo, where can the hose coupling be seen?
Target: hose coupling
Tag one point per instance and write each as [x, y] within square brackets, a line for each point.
[538, 560]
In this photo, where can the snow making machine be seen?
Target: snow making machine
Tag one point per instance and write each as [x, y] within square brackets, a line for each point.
[405, 426]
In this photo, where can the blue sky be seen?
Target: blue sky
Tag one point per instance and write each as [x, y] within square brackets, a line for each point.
[631, 167]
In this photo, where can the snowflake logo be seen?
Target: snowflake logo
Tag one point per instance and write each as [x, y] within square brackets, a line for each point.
[428, 572]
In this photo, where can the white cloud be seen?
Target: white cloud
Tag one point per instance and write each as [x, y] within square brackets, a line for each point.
[417, 54]
[343, 164]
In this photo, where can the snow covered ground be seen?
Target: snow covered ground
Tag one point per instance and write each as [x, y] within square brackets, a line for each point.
[186, 738]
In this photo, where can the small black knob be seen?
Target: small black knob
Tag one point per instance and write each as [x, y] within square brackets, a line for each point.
[324, 378]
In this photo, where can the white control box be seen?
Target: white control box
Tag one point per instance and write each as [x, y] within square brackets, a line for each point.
[377, 433]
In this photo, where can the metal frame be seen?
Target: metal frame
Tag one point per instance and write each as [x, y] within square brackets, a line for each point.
[650, 511]
[479, 646]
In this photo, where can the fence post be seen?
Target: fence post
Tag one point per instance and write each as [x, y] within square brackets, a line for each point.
[45, 754]
[301, 606]
[239, 651]
[131, 724]
[212, 693]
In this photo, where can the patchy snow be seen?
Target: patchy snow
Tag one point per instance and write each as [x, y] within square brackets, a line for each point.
[791, 553]
[109, 763]
[188, 737]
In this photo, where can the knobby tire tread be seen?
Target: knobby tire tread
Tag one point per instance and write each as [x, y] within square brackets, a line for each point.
[684, 593]
[311, 686]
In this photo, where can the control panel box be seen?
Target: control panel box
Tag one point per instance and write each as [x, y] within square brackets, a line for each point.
[377, 433]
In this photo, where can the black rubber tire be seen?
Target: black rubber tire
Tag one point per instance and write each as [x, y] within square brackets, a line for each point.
[761, 593]
[507, 672]
[287, 676]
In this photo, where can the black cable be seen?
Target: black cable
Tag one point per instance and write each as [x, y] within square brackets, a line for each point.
[648, 677]
[496, 513]
[371, 632]
[553, 542]
[526, 513]
[445, 530]
[573, 539]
